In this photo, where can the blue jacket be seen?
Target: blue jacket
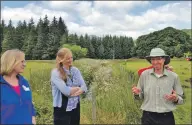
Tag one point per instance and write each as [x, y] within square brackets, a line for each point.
[16, 109]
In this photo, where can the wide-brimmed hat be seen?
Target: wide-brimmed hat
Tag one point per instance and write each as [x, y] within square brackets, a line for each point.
[158, 52]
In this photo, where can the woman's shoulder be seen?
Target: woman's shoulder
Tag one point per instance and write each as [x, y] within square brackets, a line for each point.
[74, 69]
[54, 71]
[23, 80]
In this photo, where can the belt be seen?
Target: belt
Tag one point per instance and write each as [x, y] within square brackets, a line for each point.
[156, 113]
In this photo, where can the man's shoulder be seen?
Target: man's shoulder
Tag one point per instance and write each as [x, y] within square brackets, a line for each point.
[143, 69]
[171, 73]
[147, 71]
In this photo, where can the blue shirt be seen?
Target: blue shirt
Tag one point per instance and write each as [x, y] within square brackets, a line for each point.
[59, 86]
[16, 109]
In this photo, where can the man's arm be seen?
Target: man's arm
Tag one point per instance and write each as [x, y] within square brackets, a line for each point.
[140, 94]
[179, 91]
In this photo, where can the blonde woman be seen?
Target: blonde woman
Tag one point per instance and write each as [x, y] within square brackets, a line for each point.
[16, 97]
[67, 84]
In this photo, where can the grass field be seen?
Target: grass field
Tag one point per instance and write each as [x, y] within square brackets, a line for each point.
[109, 100]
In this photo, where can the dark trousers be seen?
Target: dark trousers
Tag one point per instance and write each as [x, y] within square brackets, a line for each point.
[61, 117]
[153, 118]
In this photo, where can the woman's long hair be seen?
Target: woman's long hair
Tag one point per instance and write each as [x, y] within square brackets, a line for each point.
[60, 59]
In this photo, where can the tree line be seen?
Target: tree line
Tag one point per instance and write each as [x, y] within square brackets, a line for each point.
[42, 41]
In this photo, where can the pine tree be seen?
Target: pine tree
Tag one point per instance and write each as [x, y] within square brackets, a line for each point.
[19, 35]
[64, 39]
[127, 45]
[2, 27]
[117, 47]
[42, 39]
[95, 43]
[62, 28]
[81, 41]
[38, 50]
[9, 41]
[86, 41]
[108, 47]
[91, 50]
[31, 40]
[54, 39]
[100, 49]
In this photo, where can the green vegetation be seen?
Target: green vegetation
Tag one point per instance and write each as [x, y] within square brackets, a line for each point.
[174, 42]
[77, 51]
[188, 31]
[41, 41]
[109, 100]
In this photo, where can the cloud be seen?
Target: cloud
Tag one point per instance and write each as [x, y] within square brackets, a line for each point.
[61, 5]
[104, 17]
[73, 7]
[28, 11]
[161, 17]
[118, 6]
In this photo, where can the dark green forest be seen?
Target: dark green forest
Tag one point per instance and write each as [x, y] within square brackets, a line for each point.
[42, 41]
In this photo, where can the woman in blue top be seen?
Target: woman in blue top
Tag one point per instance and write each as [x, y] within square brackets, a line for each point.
[67, 84]
[16, 98]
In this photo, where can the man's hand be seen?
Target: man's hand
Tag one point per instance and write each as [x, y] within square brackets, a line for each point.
[79, 92]
[135, 90]
[172, 97]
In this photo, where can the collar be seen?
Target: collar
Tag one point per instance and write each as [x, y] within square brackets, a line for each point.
[2, 80]
[165, 72]
[67, 71]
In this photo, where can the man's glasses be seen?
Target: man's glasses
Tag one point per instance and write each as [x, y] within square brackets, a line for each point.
[156, 58]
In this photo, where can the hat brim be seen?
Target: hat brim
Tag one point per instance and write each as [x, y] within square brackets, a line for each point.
[167, 59]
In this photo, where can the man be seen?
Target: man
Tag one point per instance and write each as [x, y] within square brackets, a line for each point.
[160, 90]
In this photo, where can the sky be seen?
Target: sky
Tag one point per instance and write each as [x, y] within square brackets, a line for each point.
[127, 18]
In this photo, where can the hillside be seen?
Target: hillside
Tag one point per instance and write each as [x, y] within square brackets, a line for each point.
[175, 42]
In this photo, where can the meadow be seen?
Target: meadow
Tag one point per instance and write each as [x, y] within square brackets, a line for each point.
[109, 99]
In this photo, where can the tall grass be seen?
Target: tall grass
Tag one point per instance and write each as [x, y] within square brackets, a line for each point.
[109, 99]
[111, 85]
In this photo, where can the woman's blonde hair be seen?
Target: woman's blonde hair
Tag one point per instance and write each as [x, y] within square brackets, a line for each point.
[60, 59]
[9, 60]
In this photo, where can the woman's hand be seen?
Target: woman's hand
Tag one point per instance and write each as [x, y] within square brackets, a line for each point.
[79, 92]
[33, 120]
[74, 90]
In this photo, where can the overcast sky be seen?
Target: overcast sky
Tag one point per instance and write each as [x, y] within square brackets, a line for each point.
[130, 18]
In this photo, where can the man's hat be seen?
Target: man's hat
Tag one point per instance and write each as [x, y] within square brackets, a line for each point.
[156, 52]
